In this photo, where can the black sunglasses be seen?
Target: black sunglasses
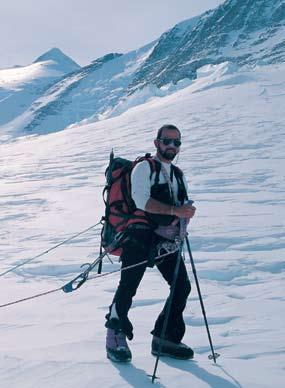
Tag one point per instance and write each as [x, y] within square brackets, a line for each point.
[167, 141]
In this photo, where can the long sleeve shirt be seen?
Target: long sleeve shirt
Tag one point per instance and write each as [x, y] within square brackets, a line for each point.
[141, 183]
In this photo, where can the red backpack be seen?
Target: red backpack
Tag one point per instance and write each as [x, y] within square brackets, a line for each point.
[120, 209]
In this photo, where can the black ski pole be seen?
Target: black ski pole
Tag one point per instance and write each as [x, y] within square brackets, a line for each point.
[167, 311]
[214, 355]
[101, 261]
[108, 185]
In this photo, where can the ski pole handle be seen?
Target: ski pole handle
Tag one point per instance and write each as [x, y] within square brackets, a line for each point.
[184, 221]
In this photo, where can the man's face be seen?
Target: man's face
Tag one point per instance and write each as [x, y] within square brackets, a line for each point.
[168, 145]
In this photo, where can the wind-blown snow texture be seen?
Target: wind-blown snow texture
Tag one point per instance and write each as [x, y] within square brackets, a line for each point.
[233, 153]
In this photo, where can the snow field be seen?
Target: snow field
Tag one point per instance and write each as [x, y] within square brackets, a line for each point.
[232, 153]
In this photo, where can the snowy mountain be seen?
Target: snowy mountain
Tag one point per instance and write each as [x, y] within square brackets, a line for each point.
[60, 61]
[21, 86]
[164, 51]
[86, 93]
[241, 32]
[51, 188]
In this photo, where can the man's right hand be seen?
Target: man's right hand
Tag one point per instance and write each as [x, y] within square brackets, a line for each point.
[184, 211]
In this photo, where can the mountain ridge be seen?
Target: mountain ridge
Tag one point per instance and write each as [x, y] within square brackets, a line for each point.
[20, 86]
[218, 36]
[243, 32]
[60, 60]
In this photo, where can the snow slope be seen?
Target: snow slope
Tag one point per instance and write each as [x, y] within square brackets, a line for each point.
[239, 31]
[85, 94]
[20, 86]
[233, 154]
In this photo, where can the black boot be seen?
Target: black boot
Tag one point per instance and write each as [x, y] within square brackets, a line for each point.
[171, 349]
[116, 346]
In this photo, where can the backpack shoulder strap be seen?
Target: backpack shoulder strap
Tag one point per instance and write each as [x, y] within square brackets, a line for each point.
[157, 169]
[177, 171]
[153, 165]
[179, 177]
[171, 172]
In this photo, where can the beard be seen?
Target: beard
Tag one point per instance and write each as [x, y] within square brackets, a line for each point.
[168, 154]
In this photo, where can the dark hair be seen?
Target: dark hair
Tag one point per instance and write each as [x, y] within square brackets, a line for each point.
[167, 126]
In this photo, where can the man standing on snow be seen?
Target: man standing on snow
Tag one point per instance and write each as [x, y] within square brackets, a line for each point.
[162, 195]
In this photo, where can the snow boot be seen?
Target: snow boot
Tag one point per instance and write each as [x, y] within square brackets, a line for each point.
[117, 347]
[171, 349]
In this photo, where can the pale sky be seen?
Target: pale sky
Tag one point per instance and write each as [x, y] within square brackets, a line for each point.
[86, 29]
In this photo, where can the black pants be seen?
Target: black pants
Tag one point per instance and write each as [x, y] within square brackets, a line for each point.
[137, 249]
